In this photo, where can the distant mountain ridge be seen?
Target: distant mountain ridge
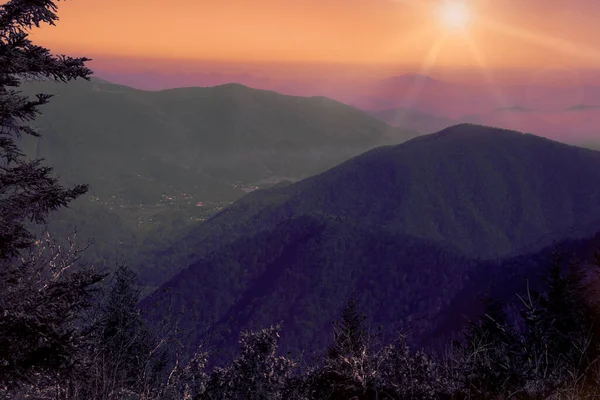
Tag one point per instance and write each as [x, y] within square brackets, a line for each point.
[435, 104]
[250, 129]
[166, 160]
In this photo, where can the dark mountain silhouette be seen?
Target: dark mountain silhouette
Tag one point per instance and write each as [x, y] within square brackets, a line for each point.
[408, 225]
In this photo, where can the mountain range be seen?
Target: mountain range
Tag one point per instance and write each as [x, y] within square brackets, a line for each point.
[409, 226]
[229, 132]
[573, 125]
[160, 162]
[561, 108]
[415, 224]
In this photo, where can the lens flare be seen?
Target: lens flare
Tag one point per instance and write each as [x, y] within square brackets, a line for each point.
[454, 15]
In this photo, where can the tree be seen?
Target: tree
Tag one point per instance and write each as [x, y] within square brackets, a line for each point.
[41, 300]
[28, 191]
[257, 374]
[488, 361]
[125, 355]
[571, 317]
[41, 308]
[351, 367]
[551, 349]
[350, 335]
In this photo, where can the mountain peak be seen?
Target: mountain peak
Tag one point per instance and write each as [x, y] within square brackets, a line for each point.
[485, 138]
[420, 76]
[468, 129]
[409, 78]
[232, 85]
[581, 107]
[514, 109]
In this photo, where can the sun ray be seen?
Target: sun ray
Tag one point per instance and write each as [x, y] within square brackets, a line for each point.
[486, 72]
[430, 60]
[553, 43]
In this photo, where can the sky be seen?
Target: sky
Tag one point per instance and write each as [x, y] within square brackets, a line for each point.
[500, 34]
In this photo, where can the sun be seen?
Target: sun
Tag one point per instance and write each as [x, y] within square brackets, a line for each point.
[454, 15]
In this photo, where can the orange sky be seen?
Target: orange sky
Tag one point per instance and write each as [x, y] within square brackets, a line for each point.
[503, 33]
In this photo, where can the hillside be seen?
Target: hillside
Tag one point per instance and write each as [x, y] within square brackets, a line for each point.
[301, 272]
[406, 224]
[229, 131]
[165, 161]
[484, 191]
[518, 272]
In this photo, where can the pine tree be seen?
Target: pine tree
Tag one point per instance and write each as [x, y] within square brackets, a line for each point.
[489, 360]
[41, 300]
[571, 317]
[42, 304]
[350, 335]
[351, 366]
[126, 355]
[28, 191]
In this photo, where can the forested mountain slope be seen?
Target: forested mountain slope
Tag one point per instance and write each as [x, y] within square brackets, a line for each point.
[408, 225]
[161, 162]
[483, 191]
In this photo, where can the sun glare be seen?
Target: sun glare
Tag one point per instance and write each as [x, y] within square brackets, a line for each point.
[454, 14]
